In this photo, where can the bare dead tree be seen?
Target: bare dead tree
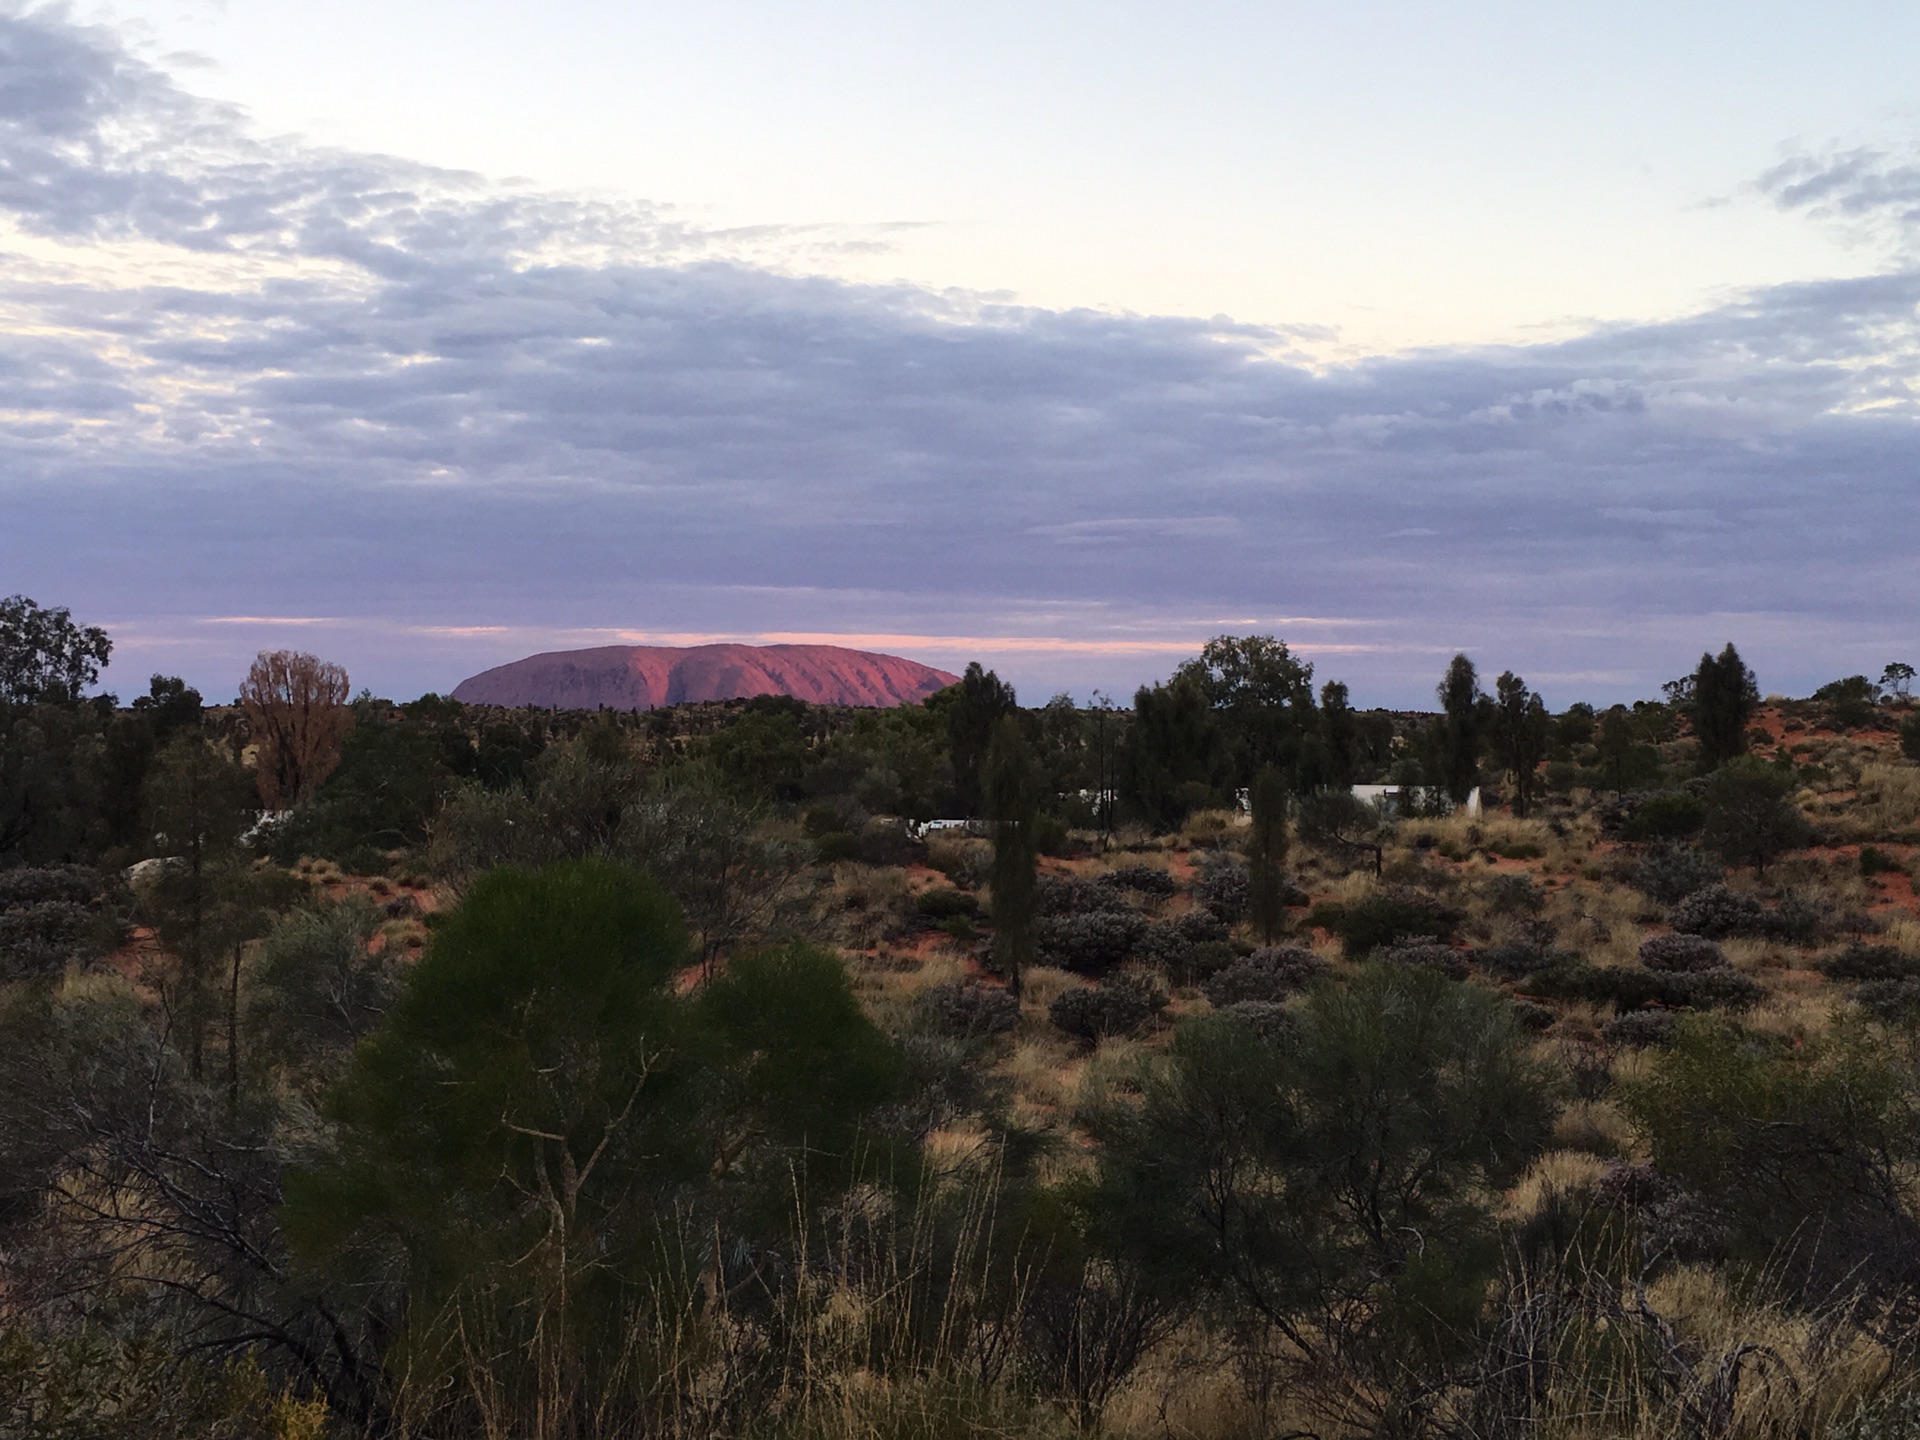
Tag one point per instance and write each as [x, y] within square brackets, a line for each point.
[296, 706]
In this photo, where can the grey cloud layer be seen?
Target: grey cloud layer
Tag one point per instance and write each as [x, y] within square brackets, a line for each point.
[372, 388]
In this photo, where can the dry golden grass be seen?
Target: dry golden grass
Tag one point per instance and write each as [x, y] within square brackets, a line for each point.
[1903, 932]
[1889, 799]
[1595, 1128]
[1044, 1071]
[1213, 827]
[1558, 1172]
[865, 902]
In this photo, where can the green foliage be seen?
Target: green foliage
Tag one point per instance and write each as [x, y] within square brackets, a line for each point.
[1665, 815]
[381, 797]
[1721, 702]
[44, 656]
[1173, 761]
[531, 1139]
[1875, 861]
[1125, 1004]
[538, 1028]
[1910, 737]
[1748, 818]
[1519, 729]
[797, 1065]
[1383, 916]
[1093, 943]
[1342, 821]
[1262, 695]
[1622, 754]
[1461, 733]
[321, 987]
[1337, 1185]
[974, 708]
[765, 751]
[52, 781]
[92, 1383]
[1669, 872]
[1810, 1148]
[1850, 701]
[1628, 988]
[52, 916]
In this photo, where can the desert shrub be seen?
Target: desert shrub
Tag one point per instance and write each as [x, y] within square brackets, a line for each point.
[1512, 895]
[1805, 922]
[1633, 988]
[969, 1008]
[36, 940]
[945, 903]
[1749, 819]
[38, 885]
[1665, 815]
[1726, 989]
[1092, 943]
[1425, 952]
[1670, 871]
[1640, 1030]
[320, 983]
[1875, 861]
[1070, 895]
[965, 862]
[1221, 887]
[1672, 1219]
[1532, 1015]
[1719, 912]
[1124, 1005]
[50, 915]
[1910, 737]
[1795, 1150]
[1268, 1019]
[1871, 962]
[1188, 947]
[1266, 976]
[1517, 958]
[1148, 880]
[1681, 953]
[879, 843]
[1561, 776]
[1891, 1001]
[1516, 849]
[1387, 915]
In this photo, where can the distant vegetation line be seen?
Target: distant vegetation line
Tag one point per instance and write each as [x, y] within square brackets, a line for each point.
[446, 1069]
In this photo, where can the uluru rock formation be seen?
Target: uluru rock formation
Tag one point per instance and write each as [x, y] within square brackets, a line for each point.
[642, 677]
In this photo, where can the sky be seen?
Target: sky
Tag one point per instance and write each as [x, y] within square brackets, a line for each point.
[427, 336]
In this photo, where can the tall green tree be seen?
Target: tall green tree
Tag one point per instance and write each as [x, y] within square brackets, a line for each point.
[199, 804]
[1173, 761]
[1263, 695]
[1267, 854]
[1013, 803]
[44, 655]
[977, 705]
[1723, 699]
[1341, 733]
[1521, 731]
[1461, 735]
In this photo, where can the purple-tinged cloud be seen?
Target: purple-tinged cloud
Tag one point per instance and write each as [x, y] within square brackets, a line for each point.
[443, 423]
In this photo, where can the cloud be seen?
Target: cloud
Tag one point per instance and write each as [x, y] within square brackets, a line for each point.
[243, 377]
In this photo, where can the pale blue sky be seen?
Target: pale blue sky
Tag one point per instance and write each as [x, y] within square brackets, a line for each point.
[1407, 173]
[1583, 339]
